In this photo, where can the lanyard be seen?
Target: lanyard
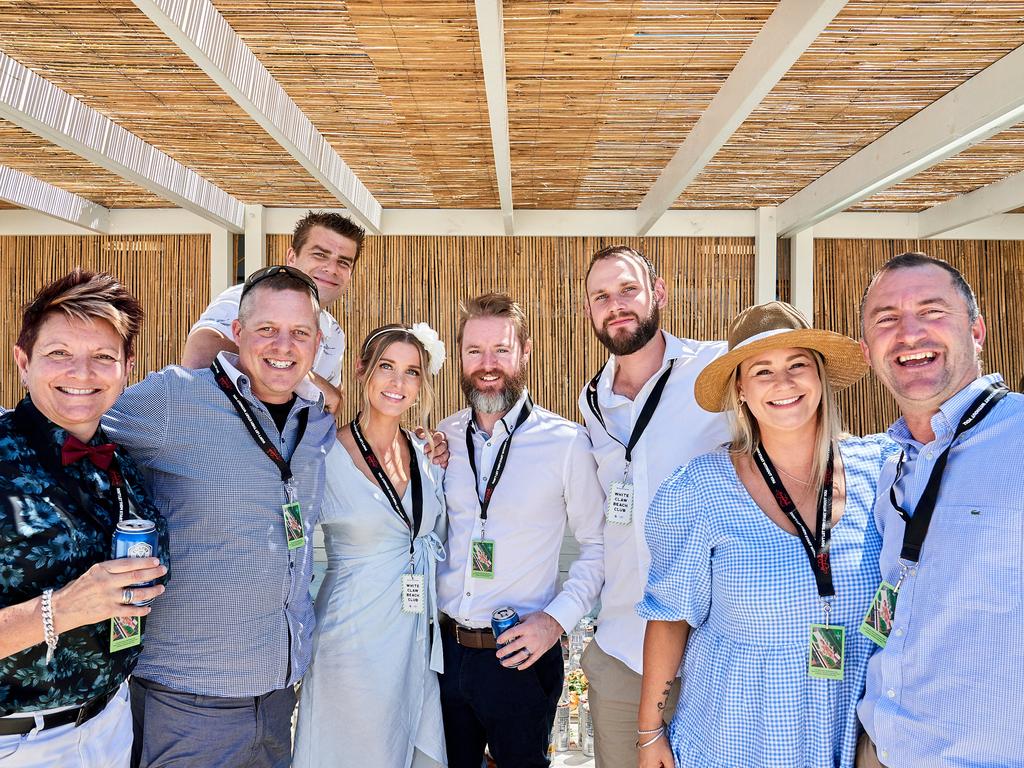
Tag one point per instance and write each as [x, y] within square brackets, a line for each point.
[645, 413]
[499, 461]
[249, 419]
[816, 546]
[388, 487]
[66, 483]
[916, 525]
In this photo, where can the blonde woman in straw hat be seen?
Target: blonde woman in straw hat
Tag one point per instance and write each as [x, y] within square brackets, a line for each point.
[371, 695]
[764, 560]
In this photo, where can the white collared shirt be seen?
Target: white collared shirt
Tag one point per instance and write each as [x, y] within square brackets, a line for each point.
[550, 479]
[678, 431]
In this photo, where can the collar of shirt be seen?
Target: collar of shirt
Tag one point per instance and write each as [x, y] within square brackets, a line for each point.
[944, 423]
[506, 422]
[606, 398]
[306, 390]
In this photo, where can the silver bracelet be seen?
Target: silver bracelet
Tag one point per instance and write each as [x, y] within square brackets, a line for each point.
[659, 729]
[48, 631]
[658, 735]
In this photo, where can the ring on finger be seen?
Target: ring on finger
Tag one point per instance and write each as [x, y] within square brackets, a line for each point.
[127, 596]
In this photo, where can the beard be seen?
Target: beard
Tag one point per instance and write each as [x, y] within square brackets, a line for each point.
[627, 344]
[497, 401]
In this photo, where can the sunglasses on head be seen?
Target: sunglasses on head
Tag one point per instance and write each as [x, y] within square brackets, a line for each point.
[280, 269]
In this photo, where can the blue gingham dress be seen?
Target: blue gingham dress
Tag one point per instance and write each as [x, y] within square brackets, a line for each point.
[720, 564]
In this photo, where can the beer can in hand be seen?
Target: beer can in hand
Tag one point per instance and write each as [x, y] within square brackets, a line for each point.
[137, 538]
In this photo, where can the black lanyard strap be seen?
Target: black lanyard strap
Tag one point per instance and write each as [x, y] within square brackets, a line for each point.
[499, 461]
[253, 425]
[916, 526]
[816, 546]
[388, 487]
[645, 413]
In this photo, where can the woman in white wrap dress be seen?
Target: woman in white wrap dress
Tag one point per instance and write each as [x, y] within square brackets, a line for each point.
[370, 697]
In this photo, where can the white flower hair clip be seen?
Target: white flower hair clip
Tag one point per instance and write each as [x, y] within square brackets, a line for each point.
[431, 342]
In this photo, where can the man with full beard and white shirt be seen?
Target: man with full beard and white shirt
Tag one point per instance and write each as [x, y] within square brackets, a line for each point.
[643, 423]
[517, 475]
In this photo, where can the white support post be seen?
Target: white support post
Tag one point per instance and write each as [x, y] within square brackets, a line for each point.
[221, 261]
[765, 255]
[801, 272]
[255, 239]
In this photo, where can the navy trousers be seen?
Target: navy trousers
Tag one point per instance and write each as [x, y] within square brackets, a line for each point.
[511, 711]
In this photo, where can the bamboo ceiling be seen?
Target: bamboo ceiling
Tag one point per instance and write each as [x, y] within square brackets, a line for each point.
[600, 95]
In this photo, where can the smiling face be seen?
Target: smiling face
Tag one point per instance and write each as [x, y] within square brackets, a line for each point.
[393, 386]
[74, 372]
[782, 388]
[622, 305]
[919, 338]
[277, 342]
[493, 364]
[328, 258]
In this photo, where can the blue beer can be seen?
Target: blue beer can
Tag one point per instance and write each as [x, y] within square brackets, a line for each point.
[137, 538]
[503, 620]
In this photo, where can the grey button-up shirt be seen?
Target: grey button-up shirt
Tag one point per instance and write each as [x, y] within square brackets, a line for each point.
[237, 618]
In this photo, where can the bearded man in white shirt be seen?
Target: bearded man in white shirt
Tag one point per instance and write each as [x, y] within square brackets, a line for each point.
[643, 423]
[517, 475]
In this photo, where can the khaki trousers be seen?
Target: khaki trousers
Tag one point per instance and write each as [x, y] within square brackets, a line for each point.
[614, 695]
[867, 757]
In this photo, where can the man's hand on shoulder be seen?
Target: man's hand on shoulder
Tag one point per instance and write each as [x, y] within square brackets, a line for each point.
[334, 398]
[528, 640]
[436, 446]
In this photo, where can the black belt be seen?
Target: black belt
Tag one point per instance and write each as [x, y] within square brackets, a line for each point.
[10, 726]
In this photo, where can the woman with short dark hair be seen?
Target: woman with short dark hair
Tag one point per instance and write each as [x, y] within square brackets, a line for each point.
[70, 616]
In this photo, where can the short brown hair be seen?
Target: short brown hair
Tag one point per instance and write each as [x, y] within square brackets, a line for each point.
[618, 252]
[335, 222]
[493, 305]
[83, 296]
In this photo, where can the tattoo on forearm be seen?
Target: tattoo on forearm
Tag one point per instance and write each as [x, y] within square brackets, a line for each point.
[664, 695]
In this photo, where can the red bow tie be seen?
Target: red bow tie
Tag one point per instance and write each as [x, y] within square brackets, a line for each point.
[74, 450]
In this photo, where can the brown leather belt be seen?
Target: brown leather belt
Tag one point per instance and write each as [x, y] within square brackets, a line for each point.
[468, 637]
[10, 726]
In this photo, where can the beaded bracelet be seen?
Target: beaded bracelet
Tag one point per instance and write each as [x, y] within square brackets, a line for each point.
[48, 631]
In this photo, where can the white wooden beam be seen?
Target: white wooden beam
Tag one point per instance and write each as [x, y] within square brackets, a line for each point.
[39, 106]
[205, 36]
[255, 239]
[490, 28]
[35, 194]
[766, 265]
[987, 103]
[222, 258]
[787, 33]
[999, 197]
[801, 272]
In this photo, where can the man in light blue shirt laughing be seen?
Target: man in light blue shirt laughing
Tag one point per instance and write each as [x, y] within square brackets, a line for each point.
[947, 688]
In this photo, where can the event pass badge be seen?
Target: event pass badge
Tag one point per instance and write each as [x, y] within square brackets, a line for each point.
[826, 651]
[413, 593]
[293, 530]
[481, 552]
[125, 632]
[877, 623]
[620, 503]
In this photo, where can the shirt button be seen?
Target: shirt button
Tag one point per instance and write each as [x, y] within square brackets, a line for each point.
[885, 753]
[929, 456]
[469, 594]
[891, 693]
[913, 571]
[488, 445]
[899, 632]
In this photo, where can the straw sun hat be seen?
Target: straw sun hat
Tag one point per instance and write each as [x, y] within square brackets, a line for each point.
[777, 325]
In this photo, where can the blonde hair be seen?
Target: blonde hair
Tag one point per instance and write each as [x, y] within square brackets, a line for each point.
[493, 305]
[373, 349]
[746, 435]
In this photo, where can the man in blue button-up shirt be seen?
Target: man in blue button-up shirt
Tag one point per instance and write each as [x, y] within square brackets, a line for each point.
[948, 687]
[232, 635]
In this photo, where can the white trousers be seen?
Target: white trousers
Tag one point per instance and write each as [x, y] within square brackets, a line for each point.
[105, 741]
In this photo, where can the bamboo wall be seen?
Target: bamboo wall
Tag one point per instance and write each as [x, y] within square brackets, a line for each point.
[422, 278]
[411, 279]
[169, 274]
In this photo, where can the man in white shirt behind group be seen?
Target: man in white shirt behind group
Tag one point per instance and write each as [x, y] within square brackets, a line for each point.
[639, 404]
[517, 475]
[325, 245]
